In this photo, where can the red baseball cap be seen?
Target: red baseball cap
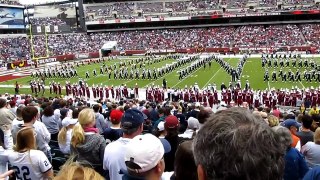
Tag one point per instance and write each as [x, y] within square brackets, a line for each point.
[115, 116]
[171, 122]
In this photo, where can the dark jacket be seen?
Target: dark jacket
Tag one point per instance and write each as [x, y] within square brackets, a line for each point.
[296, 166]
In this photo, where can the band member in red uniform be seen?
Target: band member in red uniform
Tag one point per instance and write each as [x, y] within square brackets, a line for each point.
[67, 89]
[211, 100]
[112, 92]
[294, 100]
[256, 102]
[125, 91]
[94, 92]
[314, 100]
[186, 96]
[101, 92]
[200, 99]
[106, 89]
[59, 89]
[215, 94]
[287, 100]
[88, 92]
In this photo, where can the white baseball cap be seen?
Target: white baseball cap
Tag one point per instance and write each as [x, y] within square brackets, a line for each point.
[68, 121]
[161, 126]
[144, 152]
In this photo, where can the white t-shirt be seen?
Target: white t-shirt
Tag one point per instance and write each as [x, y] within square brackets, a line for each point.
[29, 165]
[113, 159]
[65, 148]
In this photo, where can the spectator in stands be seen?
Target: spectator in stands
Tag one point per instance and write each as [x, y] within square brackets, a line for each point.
[193, 127]
[171, 126]
[216, 159]
[76, 171]
[19, 119]
[160, 131]
[184, 164]
[305, 134]
[273, 120]
[144, 158]
[313, 174]
[276, 112]
[293, 126]
[313, 111]
[30, 119]
[86, 142]
[302, 109]
[28, 162]
[114, 132]
[295, 164]
[195, 110]
[65, 134]
[154, 115]
[100, 121]
[132, 125]
[6, 116]
[311, 150]
[182, 120]
[203, 117]
[162, 115]
[13, 107]
[51, 122]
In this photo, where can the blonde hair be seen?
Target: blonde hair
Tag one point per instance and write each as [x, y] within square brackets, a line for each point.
[86, 117]
[316, 137]
[74, 170]
[62, 135]
[25, 140]
[273, 121]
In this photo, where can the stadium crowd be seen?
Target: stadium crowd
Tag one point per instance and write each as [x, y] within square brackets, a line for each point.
[139, 139]
[177, 8]
[244, 36]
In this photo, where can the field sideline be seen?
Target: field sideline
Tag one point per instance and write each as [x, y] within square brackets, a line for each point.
[252, 71]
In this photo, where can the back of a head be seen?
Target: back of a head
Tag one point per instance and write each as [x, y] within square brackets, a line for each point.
[25, 139]
[284, 135]
[74, 170]
[96, 107]
[316, 137]
[86, 116]
[28, 113]
[3, 102]
[307, 121]
[184, 165]
[233, 144]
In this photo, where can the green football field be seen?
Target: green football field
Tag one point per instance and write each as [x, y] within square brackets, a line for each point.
[252, 71]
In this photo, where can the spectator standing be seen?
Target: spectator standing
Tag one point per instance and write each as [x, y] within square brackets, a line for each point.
[144, 158]
[6, 116]
[295, 164]
[193, 127]
[311, 150]
[65, 134]
[28, 162]
[101, 124]
[86, 142]
[305, 134]
[293, 126]
[132, 126]
[30, 117]
[313, 111]
[51, 122]
[171, 126]
[114, 132]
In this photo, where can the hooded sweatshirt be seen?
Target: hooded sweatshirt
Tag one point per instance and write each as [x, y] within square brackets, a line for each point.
[91, 150]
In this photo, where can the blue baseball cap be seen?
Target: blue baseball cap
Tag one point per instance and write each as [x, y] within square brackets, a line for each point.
[132, 118]
[290, 122]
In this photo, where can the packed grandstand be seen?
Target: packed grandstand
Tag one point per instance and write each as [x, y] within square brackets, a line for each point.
[68, 129]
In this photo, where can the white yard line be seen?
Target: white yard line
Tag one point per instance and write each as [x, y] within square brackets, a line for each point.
[302, 85]
[269, 85]
[211, 78]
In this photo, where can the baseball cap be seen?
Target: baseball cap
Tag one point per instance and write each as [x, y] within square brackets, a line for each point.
[161, 126]
[193, 123]
[132, 118]
[144, 152]
[68, 121]
[290, 122]
[115, 116]
[171, 121]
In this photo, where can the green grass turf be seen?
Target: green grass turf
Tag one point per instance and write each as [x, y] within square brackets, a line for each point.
[252, 71]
